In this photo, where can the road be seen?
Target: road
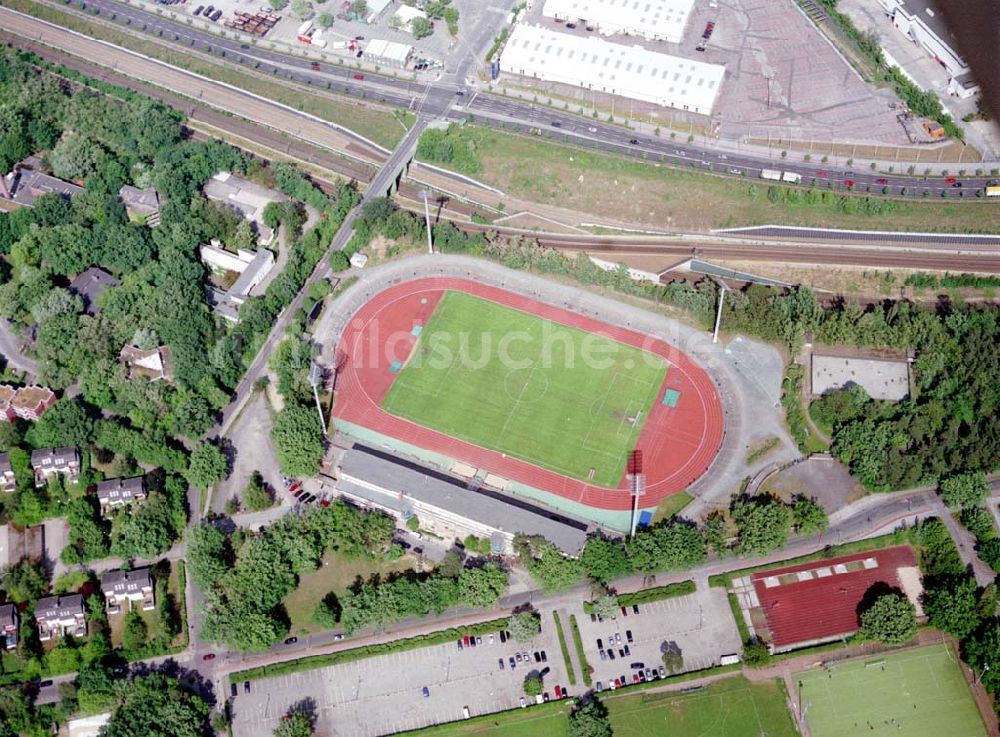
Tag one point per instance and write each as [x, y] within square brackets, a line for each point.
[513, 114]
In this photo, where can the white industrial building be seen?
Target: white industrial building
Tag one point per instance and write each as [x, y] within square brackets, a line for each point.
[627, 71]
[920, 22]
[656, 20]
[388, 53]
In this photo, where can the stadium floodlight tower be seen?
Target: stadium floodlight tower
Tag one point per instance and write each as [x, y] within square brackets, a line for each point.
[427, 219]
[636, 485]
[315, 377]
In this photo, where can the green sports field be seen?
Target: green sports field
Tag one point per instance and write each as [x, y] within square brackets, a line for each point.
[558, 397]
[733, 707]
[916, 693]
[547, 720]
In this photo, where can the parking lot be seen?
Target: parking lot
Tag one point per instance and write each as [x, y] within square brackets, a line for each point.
[700, 625]
[382, 695]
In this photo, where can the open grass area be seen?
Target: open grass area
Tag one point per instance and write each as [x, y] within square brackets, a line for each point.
[667, 198]
[381, 126]
[916, 693]
[502, 379]
[672, 506]
[732, 707]
[335, 574]
[547, 720]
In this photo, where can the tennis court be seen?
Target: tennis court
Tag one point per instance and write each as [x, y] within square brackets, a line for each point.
[558, 397]
[733, 707]
[914, 693]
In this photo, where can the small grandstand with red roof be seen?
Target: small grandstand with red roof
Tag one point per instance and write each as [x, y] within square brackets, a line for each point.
[815, 602]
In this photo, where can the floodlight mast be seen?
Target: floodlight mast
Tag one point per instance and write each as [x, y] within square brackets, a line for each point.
[315, 376]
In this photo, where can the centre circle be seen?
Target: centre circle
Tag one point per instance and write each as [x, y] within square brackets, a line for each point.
[526, 384]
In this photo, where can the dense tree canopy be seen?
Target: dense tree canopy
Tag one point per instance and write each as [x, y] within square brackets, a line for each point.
[156, 706]
[891, 619]
[763, 523]
[298, 439]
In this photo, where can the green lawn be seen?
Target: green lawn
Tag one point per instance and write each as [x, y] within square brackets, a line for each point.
[557, 397]
[917, 693]
[733, 707]
[548, 720]
[335, 574]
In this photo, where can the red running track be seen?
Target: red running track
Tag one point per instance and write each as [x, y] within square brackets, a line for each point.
[678, 444]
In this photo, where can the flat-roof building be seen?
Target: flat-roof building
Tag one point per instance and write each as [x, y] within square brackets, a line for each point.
[880, 378]
[656, 20]
[594, 64]
[388, 53]
[920, 21]
[7, 481]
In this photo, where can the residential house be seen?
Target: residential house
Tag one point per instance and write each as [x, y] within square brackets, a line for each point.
[125, 587]
[60, 615]
[30, 402]
[142, 204]
[47, 462]
[8, 626]
[7, 481]
[90, 285]
[115, 493]
[151, 365]
[27, 182]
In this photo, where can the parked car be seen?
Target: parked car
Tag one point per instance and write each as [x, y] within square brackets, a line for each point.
[611, 654]
[503, 636]
[649, 674]
[637, 666]
[627, 651]
[545, 658]
[621, 653]
[232, 690]
[593, 617]
[426, 692]
[663, 672]
[479, 640]
[604, 655]
[642, 676]
[635, 607]
[628, 635]
[624, 611]
[216, 15]
[246, 686]
[618, 638]
[197, 11]
[209, 10]
[492, 640]
[465, 640]
[208, 656]
[500, 662]
[518, 656]
[460, 647]
[600, 643]
[881, 180]
[635, 678]
[512, 663]
[545, 697]
[525, 657]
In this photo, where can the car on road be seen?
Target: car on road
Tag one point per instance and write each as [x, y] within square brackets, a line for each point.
[338, 637]
[571, 25]
[848, 182]
[957, 184]
[950, 180]
[426, 692]
[246, 686]
[737, 172]
[291, 640]
[592, 129]
[556, 124]
[822, 173]
[500, 663]
[359, 76]
[314, 66]
[634, 141]
[881, 180]
[208, 656]
[459, 93]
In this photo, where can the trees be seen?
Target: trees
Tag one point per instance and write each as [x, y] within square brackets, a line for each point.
[891, 619]
[762, 522]
[533, 684]
[156, 706]
[523, 626]
[481, 587]
[605, 560]
[606, 606]
[298, 440]
[552, 570]
[145, 530]
[982, 650]
[24, 581]
[590, 720]
[669, 545]
[256, 496]
[755, 653]
[207, 554]
[421, 27]
[964, 490]
[673, 658]
[951, 604]
[324, 20]
[67, 422]
[207, 466]
[302, 9]
[294, 724]
[134, 633]
[808, 516]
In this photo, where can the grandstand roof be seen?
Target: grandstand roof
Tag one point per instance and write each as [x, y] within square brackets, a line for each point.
[629, 71]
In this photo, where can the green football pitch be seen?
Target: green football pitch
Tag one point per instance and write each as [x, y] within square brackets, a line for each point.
[916, 693]
[733, 707]
[558, 397]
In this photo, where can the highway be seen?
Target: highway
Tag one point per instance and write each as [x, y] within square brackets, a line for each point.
[454, 99]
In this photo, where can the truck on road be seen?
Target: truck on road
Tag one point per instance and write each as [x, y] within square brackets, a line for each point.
[772, 174]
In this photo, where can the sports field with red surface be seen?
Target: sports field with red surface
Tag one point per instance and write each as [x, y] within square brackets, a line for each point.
[825, 603]
[679, 437]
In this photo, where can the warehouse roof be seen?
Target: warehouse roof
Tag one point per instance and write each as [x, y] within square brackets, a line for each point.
[661, 19]
[628, 71]
[389, 51]
[397, 476]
